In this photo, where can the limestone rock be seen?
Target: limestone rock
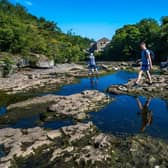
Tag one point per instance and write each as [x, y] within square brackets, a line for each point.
[157, 89]
[78, 105]
[54, 134]
[81, 116]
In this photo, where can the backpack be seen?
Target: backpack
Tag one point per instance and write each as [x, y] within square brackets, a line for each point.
[152, 54]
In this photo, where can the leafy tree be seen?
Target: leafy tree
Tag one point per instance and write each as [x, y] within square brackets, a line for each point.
[125, 42]
[164, 37]
[22, 33]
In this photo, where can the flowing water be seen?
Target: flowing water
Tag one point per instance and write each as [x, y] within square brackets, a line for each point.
[126, 115]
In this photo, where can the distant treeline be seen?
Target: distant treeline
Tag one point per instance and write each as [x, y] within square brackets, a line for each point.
[125, 42]
[22, 33]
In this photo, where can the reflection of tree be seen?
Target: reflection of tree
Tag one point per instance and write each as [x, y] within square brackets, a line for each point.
[145, 113]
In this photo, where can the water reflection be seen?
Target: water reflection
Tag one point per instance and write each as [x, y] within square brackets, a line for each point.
[118, 117]
[145, 113]
[94, 80]
[2, 153]
[131, 115]
[2, 110]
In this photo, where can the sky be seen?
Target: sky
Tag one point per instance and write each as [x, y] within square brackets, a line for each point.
[95, 18]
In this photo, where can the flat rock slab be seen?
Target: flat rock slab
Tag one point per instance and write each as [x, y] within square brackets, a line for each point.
[159, 87]
[21, 143]
[35, 78]
[75, 106]
[79, 104]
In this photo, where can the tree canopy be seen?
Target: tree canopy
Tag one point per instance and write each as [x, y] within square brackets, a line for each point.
[125, 43]
[22, 33]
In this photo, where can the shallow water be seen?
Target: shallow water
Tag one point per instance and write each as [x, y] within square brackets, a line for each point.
[2, 110]
[121, 117]
[2, 153]
[97, 83]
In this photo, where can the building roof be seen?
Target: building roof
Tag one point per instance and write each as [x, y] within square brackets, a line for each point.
[104, 39]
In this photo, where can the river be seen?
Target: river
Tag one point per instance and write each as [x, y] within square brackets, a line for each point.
[126, 115]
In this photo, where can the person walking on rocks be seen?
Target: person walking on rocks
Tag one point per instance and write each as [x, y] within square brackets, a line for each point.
[92, 65]
[146, 64]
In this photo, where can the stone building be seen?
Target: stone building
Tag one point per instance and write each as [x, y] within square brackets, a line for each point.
[100, 45]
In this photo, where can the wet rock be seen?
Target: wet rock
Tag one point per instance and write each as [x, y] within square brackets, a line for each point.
[79, 104]
[33, 101]
[52, 107]
[157, 89]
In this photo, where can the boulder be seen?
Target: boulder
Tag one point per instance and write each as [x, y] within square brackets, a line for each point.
[45, 64]
[22, 63]
[41, 61]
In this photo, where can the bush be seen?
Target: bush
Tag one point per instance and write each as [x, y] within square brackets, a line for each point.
[7, 64]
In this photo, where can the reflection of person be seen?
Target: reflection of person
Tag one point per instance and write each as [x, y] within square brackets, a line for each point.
[94, 82]
[146, 64]
[92, 65]
[145, 113]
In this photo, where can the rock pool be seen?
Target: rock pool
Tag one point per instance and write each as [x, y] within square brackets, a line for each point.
[121, 117]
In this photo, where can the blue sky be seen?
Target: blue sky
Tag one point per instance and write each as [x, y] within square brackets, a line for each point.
[95, 18]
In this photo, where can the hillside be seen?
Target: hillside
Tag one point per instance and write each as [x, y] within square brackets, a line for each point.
[23, 34]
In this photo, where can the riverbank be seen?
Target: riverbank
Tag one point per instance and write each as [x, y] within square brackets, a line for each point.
[29, 79]
[32, 80]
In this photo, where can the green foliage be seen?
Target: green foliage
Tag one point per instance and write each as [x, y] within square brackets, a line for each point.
[21, 33]
[7, 64]
[164, 37]
[125, 42]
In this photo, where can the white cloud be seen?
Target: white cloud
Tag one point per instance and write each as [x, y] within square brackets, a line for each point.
[28, 3]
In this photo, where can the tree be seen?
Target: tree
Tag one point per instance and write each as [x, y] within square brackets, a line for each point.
[22, 33]
[164, 38]
[125, 42]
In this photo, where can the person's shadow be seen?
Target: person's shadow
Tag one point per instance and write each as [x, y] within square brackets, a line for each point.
[146, 113]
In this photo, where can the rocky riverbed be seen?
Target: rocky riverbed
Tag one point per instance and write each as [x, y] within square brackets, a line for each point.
[159, 87]
[28, 79]
[56, 107]
[80, 145]
[33, 79]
